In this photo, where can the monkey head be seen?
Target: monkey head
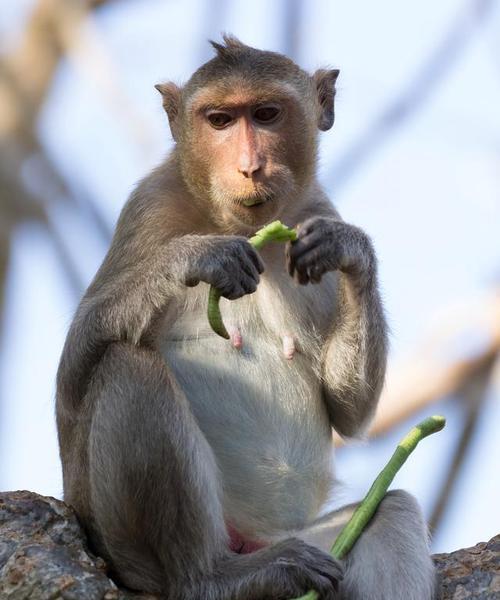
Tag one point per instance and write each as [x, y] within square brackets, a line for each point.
[245, 127]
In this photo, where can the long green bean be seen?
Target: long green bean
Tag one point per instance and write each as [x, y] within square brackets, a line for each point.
[365, 511]
[273, 232]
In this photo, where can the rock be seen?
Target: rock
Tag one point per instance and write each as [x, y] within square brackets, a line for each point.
[44, 556]
[471, 572]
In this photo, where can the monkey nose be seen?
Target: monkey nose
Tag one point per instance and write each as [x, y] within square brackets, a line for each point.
[248, 168]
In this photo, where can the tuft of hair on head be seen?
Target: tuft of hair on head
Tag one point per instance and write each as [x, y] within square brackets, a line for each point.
[230, 48]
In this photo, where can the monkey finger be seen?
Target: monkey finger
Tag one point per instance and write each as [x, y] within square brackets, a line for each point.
[301, 276]
[333, 570]
[288, 260]
[192, 281]
[315, 273]
[250, 269]
[232, 291]
[303, 246]
[298, 272]
[312, 258]
[305, 227]
[248, 284]
[327, 590]
[311, 233]
[293, 251]
[256, 259]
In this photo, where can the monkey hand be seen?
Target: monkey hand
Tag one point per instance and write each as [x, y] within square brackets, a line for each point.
[325, 244]
[305, 568]
[229, 263]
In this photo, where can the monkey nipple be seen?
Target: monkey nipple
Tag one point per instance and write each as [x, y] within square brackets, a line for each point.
[288, 346]
[235, 337]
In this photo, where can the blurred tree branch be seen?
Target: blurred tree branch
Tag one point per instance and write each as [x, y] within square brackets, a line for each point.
[473, 396]
[26, 76]
[444, 364]
[412, 98]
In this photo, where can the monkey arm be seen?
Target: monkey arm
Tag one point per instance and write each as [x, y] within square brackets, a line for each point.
[355, 355]
[122, 309]
[153, 257]
[139, 274]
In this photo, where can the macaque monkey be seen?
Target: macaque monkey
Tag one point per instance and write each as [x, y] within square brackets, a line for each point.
[199, 466]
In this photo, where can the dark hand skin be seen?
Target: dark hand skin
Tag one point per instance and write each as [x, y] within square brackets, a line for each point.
[229, 263]
[325, 244]
[307, 568]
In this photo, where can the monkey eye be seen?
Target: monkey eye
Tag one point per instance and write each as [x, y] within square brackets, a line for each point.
[218, 119]
[267, 114]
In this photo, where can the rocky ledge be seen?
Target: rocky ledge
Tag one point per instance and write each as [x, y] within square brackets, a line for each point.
[44, 556]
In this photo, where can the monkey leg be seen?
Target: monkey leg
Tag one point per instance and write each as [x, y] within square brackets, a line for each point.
[154, 484]
[391, 560]
[155, 496]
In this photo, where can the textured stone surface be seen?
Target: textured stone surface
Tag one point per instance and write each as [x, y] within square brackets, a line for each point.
[471, 572]
[44, 556]
[43, 553]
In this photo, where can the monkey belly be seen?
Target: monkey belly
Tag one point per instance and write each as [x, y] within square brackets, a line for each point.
[265, 420]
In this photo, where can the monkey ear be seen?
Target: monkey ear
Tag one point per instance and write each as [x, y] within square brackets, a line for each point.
[171, 95]
[325, 86]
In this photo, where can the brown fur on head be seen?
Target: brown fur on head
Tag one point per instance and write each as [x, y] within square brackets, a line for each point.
[248, 166]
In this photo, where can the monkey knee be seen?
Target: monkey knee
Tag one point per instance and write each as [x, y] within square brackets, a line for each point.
[126, 363]
[400, 503]
[391, 559]
[400, 522]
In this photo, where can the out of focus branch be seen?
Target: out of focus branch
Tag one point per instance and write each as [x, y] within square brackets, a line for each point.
[473, 396]
[26, 75]
[466, 343]
[442, 365]
[98, 3]
[413, 97]
[18, 204]
[4, 262]
[55, 30]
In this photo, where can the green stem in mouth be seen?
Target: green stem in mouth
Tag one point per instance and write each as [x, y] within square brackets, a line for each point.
[273, 232]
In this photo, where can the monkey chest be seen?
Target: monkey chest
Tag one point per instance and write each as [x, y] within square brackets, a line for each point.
[276, 347]
[258, 409]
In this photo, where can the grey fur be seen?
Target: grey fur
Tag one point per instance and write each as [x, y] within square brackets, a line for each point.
[391, 559]
[168, 433]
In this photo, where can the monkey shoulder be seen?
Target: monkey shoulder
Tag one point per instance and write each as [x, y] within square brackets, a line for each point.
[161, 204]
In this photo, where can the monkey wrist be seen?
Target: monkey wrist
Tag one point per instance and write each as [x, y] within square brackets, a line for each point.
[187, 258]
[358, 260]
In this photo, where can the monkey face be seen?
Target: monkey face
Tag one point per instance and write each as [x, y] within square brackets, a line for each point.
[246, 126]
[252, 150]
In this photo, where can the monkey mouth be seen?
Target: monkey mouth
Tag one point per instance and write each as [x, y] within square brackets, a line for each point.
[255, 200]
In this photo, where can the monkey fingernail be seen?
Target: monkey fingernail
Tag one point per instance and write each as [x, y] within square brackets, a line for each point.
[288, 346]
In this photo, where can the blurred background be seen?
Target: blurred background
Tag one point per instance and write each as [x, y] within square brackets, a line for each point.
[414, 158]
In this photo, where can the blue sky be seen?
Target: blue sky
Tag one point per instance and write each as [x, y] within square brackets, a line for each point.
[428, 196]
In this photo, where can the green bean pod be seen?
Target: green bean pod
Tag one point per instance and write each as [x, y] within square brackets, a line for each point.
[273, 232]
[365, 511]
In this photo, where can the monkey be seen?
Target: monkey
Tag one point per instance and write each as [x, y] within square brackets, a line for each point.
[199, 467]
